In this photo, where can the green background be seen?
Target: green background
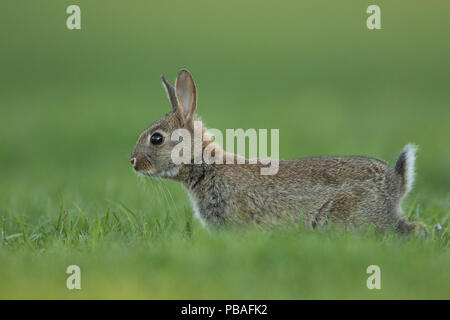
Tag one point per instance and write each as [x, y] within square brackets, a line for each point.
[72, 104]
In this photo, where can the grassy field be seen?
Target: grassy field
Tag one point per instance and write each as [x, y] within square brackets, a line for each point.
[72, 104]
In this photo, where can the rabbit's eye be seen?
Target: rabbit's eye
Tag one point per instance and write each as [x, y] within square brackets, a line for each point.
[156, 139]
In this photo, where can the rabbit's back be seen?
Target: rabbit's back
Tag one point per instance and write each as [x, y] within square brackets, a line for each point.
[352, 190]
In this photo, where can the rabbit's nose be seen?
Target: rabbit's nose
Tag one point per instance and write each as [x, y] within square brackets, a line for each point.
[133, 162]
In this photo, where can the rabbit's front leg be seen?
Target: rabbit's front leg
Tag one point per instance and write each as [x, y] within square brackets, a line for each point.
[314, 220]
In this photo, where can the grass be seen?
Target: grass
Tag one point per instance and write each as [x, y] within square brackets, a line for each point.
[126, 255]
[73, 103]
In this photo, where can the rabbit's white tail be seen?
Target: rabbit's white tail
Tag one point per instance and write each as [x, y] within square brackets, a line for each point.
[405, 167]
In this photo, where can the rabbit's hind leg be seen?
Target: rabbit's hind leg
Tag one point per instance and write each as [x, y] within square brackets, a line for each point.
[405, 227]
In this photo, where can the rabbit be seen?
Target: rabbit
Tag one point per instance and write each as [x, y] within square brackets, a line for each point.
[352, 191]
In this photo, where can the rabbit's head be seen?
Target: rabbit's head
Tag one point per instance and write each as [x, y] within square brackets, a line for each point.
[152, 153]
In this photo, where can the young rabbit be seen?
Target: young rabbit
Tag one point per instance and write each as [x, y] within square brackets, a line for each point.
[353, 191]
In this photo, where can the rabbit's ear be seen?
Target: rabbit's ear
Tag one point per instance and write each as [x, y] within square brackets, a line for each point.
[170, 91]
[186, 94]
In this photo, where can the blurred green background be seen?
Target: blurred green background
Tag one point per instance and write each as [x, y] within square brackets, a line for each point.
[72, 104]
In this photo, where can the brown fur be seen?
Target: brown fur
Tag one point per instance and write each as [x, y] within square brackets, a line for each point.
[353, 191]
